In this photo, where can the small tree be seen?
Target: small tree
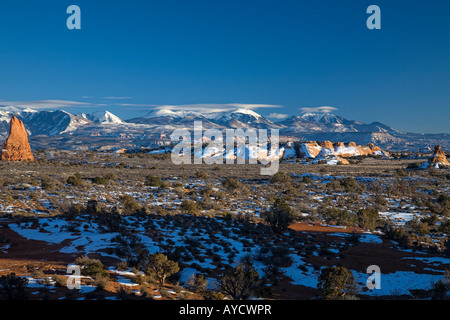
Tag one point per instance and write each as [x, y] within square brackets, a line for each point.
[13, 287]
[279, 217]
[367, 218]
[336, 283]
[241, 283]
[274, 260]
[160, 267]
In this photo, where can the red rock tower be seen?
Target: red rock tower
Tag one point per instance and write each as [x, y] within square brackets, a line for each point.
[16, 147]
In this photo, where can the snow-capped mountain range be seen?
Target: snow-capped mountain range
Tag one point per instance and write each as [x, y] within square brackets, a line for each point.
[159, 123]
[239, 118]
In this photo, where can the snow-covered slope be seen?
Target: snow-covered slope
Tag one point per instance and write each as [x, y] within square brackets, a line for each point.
[328, 122]
[243, 118]
[104, 117]
[239, 118]
[52, 123]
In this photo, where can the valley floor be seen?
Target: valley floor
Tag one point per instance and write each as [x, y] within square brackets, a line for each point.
[208, 219]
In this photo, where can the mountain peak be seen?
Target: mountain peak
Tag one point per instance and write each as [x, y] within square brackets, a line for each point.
[104, 117]
[166, 113]
[324, 117]
[247, 112]
[240, 114]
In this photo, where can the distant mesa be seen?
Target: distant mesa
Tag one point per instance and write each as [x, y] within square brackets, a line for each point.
[16, 146]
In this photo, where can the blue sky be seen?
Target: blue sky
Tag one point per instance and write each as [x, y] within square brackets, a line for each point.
[131, 56]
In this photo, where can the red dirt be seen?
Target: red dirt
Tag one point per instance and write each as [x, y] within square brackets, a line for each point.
[306, 227]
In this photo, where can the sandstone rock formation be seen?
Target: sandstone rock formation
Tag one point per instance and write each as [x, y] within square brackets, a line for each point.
[309, 149]
[342, 161]
[16, 147]
[326, 144]
[336, 152]
[327, 149]
[374, 147]
[438, 159]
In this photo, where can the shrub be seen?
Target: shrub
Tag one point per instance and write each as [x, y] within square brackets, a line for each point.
[110, 176]
[232, 184]
[189, 206]
[241, 283]
[367, 218]
[36, 274]
[307, 180]
[336, 283]
[13, 287]
[334, 186]
[443, 198]
[122, 266]
[198, 283]
[152, 181]
[340, 217]
[47, 183]
[129, 203]
[201, 175]
[91, 267]
[279, 217]
[164, 293]
[59, 281]
[100, 180]
[413, 165]
[100, 281]
[75, 180]
[160, 267]
[277, 258]
[146, 293]
[140, 279]
[351, 185]
[280, 177]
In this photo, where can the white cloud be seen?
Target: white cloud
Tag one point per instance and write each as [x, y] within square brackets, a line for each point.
[323, 109]
[277, 116]
[117, 98]
[49, 104]
[253, 106]
[203, 107]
